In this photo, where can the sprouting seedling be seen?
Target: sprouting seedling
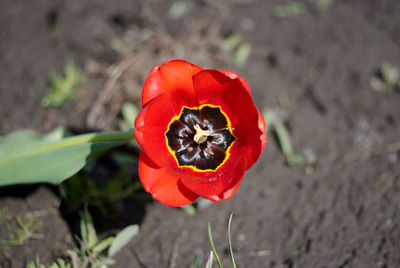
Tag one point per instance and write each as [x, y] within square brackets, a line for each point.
[62, 87]
[94, 253]
[129, 112]
[237, 50]
[273, 120]
[214, 251]
[290, 10]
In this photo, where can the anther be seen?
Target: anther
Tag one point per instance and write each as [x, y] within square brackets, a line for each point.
[208, 150]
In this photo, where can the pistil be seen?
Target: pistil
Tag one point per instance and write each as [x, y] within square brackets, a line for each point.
[201, 135]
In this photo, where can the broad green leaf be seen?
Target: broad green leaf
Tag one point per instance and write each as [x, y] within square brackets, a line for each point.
[53, 162]
[122, 239]
[25, 139]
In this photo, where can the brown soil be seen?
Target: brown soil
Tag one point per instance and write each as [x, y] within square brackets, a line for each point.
[342, 211]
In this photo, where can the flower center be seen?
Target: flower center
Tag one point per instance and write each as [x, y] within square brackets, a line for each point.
[200, 137]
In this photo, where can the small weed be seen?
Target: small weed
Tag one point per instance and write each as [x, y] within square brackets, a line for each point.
[290, 10]
[81, 189]
[236, 49]
[324, 4]
[386, 79]
[274, 121]
[179, 9]
[122, 48]
[59, 263]
[92, 253]
[129, 112]
[62, 87]
[26, 227]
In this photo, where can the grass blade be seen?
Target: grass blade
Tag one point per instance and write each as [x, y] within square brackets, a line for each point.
[212, 246]
[233, 264]
[210, 260]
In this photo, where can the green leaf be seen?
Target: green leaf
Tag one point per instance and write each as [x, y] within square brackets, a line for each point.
[25, 139]
[198, 260]
[233, 264]
[53, 162]
[189, 209]
[103, 244]
[242, 54]
[210, 260]
[179, 9]
[62, 88]
[122, 239]
[290, 10]
[296, 159]
[212, 246]
[269, 119]
[284, 139]
[129, 113]
[233, 41]
[88, 232]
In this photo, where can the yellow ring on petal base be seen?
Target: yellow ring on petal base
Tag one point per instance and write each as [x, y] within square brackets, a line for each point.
[211, 150]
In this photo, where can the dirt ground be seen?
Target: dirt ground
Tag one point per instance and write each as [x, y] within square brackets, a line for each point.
[342, 210]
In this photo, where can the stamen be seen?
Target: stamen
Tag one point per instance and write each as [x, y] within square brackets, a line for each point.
[208, 150]
[201, 135]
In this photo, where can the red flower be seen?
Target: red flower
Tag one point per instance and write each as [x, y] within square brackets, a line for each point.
[199, 132]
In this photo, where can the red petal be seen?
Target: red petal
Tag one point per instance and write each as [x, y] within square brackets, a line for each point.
[147, 173]
[163, 185]
[248, 125]
[212, 185]
[263, 127]
[214, 87]
[254, 149]
[150, 127]
[229, 193]
[173, 78]
[233, 75]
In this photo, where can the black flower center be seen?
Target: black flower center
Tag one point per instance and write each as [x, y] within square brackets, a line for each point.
[200, 137]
